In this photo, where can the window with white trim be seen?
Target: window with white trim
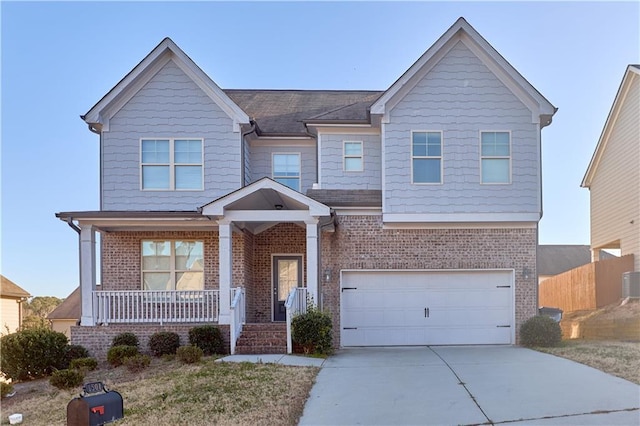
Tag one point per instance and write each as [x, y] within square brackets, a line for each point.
[495, 157]
[171, 164]
[286, 169]
[352, 153]
[426, 157]
[172, 265]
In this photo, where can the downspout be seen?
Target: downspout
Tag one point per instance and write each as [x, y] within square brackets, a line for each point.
[331, 222]
[242, 154]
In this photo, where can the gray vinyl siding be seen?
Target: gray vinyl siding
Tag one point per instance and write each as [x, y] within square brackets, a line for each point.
[460, 96]
[170, 105]
[332, 171]
[261, 162]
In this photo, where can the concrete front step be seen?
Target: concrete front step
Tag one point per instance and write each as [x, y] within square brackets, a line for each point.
[264, 338]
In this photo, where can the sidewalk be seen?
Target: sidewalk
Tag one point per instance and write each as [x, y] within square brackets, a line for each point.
[298, 361]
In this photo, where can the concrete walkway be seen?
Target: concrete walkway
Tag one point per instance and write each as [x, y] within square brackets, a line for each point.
[299, 361]
[466, 385]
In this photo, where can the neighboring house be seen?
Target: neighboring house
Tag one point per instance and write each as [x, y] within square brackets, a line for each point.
[411, 214]
[12, 296]
[556, 259]
[66, 314]
[613, 175]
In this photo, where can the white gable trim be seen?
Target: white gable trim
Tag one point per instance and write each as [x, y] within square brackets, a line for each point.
[217, 207]
[631, 74]
[166, 51]
[461, 31]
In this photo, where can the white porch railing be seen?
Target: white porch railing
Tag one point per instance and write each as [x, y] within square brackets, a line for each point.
[296, 304]
[147, 306]
[238, 316]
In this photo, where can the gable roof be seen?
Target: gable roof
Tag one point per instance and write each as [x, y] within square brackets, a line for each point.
[98, 116]
[69, 308]
[540, 107]
[631, 75]
[10, 289]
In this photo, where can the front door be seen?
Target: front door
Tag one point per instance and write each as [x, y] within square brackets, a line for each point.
[287, 274]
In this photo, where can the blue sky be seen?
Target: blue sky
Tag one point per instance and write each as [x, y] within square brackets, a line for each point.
[59, 59]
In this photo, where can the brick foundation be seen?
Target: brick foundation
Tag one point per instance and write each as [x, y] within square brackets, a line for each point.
[97, 339]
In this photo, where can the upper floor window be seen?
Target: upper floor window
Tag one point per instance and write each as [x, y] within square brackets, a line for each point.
[426, 157]
[495, 157]
[172, 265]
[353, 156]
[171, 164]
[286, 170]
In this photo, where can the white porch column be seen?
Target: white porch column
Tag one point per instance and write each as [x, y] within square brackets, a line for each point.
[312, 259]
[595, 254]
[225, 240]
[87, 272]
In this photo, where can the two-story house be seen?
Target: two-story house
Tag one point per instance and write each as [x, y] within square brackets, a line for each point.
[411, 214]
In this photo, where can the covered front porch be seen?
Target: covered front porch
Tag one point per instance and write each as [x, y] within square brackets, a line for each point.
[256, 261]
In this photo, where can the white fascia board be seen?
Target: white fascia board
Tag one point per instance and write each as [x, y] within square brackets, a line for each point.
[267, 215]
[462, 31]
[459, 217]
[460, 225]
[632, 74]
[167, 50]
[217, 208]
[348, 130]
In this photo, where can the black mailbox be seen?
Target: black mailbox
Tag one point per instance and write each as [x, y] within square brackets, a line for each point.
[95, 406]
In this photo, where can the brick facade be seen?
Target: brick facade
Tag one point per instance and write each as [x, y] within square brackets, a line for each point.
[359, 242]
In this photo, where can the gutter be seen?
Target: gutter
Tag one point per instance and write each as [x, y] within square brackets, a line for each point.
[242, 155]
[72, 225]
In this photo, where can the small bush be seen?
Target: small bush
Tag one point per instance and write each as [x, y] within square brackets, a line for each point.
[117, 354]
[5, 389]
[313, 331]
[125, 339]
[84, 364]
[540, 331]
[164, 343]
[208, 338]
[189, 354]
[137, 363]
[66, 379]
[32, 353]
[75, 352]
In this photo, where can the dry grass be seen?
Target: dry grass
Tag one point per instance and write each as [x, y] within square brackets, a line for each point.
[620, 359]
[208, 393]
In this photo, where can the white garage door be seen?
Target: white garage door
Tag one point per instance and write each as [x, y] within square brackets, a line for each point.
[389, 308]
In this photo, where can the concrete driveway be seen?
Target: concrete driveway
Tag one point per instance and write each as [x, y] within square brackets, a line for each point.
[464, 385]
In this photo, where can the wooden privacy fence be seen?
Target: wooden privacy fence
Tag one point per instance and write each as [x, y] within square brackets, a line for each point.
[589, 286]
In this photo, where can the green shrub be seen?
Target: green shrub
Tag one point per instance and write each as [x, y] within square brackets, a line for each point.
[125, 339]
[66, 379]
[208, 338]
[5, 389]
[117, 354]
[313, 331]
[540, 331]
[189, 354]
[164, 343]
[137, 362]
[85, 364]
[32, 353]
[75, 352]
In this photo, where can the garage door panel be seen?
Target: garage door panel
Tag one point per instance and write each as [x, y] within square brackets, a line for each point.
[381, 308]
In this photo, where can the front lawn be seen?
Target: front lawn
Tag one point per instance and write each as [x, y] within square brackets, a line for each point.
[168, 392]
[620, 359]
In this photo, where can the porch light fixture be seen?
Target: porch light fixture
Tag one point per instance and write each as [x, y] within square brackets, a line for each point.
[525, 273]
[327, 275]
[278, 206]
